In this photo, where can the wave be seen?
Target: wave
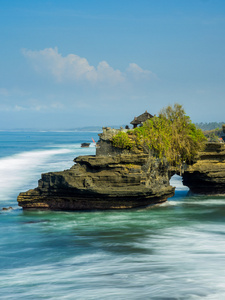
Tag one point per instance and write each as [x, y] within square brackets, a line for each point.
[22, 170]
[74, 146]
[198, 201]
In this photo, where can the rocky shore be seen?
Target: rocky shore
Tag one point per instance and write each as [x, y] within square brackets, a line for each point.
[119, 179]
[207, 174]
[112, 179]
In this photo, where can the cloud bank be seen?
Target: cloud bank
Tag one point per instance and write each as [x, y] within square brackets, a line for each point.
[73, 68]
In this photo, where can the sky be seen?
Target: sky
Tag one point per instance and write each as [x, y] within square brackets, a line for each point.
[67, 63]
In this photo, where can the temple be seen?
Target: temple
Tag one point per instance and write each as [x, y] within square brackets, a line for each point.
[140, 119]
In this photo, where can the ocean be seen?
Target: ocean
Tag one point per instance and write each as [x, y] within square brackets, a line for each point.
[175, 250]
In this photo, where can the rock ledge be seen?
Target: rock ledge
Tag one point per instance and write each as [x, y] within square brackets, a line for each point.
[102, 182]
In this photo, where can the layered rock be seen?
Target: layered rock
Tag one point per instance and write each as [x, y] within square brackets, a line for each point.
[207, 174]
[102, 182]
[117, 179]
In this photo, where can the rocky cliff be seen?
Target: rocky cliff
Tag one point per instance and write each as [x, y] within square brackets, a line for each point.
[112, 179]
[102, 182]
[207, 174]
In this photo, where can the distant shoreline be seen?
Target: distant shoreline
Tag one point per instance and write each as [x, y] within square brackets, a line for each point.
[79, 129]
[35, 130]
[202, 125]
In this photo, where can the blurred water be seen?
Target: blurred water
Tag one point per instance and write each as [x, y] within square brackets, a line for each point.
[172, 251]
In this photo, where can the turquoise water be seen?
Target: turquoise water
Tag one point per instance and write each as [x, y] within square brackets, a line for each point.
[172, 251]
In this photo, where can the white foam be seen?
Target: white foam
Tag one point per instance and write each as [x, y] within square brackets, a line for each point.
[74, 146]
[20, 169]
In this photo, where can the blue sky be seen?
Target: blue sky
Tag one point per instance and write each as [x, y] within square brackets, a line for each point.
[67, 64]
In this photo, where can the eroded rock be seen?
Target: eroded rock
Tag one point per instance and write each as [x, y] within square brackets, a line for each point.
[207, 174]
[102, 182]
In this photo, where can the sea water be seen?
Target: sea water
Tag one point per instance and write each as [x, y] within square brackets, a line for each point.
[175, 250]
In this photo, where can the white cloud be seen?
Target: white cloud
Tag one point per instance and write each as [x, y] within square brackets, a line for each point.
[138, 73]
[11, 107]
[32, 105]
[74, 68]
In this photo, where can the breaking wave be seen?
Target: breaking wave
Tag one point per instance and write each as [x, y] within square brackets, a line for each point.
[21, 171]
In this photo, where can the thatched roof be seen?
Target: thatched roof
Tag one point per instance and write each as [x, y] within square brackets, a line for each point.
[142, 118]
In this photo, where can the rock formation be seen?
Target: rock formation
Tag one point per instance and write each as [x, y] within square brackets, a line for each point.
[207, 174]
[112, 179]
[118, 179]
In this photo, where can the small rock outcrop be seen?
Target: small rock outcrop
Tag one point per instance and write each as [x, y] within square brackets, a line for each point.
[207, 174]
[85, 145]
[7, 208]
[111, 179]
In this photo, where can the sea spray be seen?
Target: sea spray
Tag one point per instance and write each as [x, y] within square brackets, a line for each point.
[20, 169]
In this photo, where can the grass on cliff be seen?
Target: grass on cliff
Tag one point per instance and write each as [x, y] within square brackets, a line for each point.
[171, 135]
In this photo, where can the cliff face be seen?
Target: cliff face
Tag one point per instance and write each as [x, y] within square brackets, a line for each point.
[102, 182]
[207, 174]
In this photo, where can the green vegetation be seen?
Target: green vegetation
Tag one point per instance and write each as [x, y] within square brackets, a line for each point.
[171, 135]
[122, 140]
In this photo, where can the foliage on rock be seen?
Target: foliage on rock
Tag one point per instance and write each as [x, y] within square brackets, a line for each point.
[171, 135]
[122, 140]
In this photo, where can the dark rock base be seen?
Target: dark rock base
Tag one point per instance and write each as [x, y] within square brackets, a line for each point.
[78, 204]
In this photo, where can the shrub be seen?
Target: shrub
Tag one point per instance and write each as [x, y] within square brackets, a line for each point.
[171, 135]
[122, 140]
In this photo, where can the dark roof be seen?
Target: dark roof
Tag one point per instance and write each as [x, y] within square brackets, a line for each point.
[142, 118]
